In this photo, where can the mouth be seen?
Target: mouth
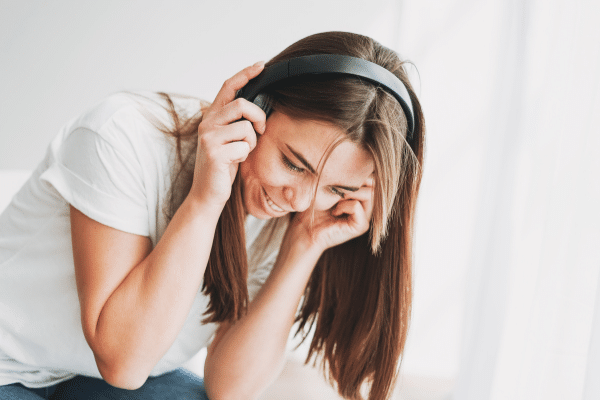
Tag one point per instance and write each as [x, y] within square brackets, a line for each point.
[272, 205]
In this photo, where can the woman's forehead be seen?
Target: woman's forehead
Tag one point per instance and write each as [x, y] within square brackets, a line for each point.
[348, 162]
[316, 142]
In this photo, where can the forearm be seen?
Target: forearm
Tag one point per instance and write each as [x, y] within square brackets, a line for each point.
[142, 317]
[249, 356]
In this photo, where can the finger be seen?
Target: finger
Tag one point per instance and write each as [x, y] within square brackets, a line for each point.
[354, 214]
[348, 207]
[242, 109]
[236, 152]
[232, 85]
[238, 131]
[363, 194]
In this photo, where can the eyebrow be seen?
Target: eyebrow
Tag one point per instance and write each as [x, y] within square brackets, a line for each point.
[312, 169]
[302, 159]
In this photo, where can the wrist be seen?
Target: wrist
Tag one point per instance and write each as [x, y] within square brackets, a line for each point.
[300, 252]
[196, 209]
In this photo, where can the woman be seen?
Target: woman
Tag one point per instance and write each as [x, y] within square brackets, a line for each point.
[158, 225]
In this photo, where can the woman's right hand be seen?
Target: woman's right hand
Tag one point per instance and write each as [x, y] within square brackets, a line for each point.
[226, 135]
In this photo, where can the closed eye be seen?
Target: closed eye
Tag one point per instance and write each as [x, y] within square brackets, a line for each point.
[338, 192]
[290, 165]
[294, 168]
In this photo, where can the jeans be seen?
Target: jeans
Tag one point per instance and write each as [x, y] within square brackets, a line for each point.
[179, 384]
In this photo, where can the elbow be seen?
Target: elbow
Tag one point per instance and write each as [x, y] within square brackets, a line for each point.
[222, 393]
[216, 389]
[212, 388]
[116, 369]
[120, 377]
[223, 386]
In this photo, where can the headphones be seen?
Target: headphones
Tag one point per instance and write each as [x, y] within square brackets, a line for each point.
[331, 64]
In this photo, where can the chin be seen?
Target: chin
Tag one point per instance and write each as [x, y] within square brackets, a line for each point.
[260, 214]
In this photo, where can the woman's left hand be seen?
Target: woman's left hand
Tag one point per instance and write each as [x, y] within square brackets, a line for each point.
[348, 218]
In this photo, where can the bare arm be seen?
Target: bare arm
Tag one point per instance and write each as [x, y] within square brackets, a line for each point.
[135, 299]
[246, 357]
[131, 316]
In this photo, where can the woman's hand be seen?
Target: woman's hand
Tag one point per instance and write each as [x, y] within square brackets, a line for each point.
[347, 219]
[226, 135]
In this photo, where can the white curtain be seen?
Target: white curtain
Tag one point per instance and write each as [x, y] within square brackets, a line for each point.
[510, 212]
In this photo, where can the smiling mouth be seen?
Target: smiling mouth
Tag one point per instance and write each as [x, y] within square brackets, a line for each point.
[273, 206]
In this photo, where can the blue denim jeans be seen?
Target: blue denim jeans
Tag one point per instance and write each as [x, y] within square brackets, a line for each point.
[179, 384]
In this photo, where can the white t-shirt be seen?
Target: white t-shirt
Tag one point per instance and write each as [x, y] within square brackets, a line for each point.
[115, 166]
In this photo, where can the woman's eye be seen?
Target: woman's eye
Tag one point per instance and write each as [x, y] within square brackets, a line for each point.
[337, 192]
[291, 166]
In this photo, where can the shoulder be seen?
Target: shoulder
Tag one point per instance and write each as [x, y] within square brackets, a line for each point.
[115, 116]
[133, 113]
[116, 106]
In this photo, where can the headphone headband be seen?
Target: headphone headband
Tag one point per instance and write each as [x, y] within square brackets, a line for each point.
[336, 64]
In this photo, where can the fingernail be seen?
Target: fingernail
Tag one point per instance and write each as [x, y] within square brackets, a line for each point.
[259, 64]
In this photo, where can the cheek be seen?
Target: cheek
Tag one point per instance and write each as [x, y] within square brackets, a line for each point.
[325, 201]
[260, 168]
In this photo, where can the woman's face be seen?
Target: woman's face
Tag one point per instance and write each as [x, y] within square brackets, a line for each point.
[280, 174]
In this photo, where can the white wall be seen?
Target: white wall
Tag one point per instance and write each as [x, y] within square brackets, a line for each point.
[58, 58]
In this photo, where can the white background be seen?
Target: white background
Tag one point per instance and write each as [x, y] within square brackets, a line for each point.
[58, 58]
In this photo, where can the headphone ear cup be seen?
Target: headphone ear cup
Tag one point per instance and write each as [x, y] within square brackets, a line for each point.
[263, 101]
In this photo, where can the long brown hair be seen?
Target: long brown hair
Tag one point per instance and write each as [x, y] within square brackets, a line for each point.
[358, 298]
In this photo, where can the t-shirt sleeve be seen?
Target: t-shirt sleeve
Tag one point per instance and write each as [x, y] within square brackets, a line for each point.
[102, 179]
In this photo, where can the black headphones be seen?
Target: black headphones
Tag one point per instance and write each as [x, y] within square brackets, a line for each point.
[332, 64]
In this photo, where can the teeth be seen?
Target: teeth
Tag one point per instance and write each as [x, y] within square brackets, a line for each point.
[272, 205]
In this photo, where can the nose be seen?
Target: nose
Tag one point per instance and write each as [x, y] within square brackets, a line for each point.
[299, 198]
